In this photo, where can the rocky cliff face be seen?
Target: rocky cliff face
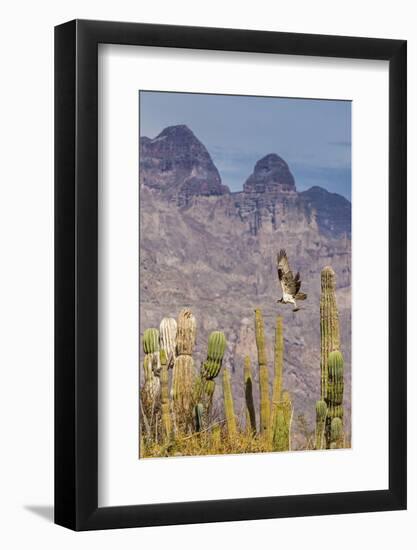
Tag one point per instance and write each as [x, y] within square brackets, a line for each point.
[216, 251]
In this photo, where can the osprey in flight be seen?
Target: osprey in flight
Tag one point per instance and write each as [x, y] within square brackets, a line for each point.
[290, 285]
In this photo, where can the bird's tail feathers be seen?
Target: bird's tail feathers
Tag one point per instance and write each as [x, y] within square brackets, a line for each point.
[300, 296]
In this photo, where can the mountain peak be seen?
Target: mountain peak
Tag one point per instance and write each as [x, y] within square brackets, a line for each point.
[176, 163]
[179, 131]
[270, 174]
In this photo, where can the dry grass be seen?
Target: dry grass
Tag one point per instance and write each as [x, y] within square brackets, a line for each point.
[209, 442]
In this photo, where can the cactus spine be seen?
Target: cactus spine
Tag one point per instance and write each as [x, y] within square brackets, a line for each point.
[228, 404]
[329, 324]
[168, 339]
[263, 374]
[321, 413]
[250, 407]
[184, 373]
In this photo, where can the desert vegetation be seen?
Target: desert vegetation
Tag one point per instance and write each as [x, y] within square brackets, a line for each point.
[178, 415]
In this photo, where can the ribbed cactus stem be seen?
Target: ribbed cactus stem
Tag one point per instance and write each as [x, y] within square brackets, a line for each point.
[321, 412]
[183, 377]
[334, 395]
[265, 410]
[150, 340]
[215, 352]
[281, 425]
[165, 412]
[186, 332]
[182, 386]
[198, 414]
[210, 369]
[329, 324]
[151, 363]
[336, 434]
[278, 364]
[250, 407]
[168, 339]
[228, 404]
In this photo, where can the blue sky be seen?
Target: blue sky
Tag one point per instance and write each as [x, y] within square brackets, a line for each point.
[312, 136]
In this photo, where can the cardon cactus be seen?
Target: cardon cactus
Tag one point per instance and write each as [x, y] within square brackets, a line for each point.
[281, 425]
[151, 363]
[336, 434]
[198, 415]
[321, 413]
[206, 385]
[168, 339]
[334, 395]
[228, 404]
[186, 332]
[165, 406]
[182, 388]
[183, 378]
[335, 384]
[250, 407]
[263, 374]
[150, 341]
[329, 324]
[278, 364]
[215, 352]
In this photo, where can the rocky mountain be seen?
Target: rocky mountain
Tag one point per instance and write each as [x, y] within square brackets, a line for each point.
[333, 212]
[215, 251]
[178, 165]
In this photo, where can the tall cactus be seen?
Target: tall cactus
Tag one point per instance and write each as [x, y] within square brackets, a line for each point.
[211, 367]
[336, 433]
[265, 410]
[281, 424]
[186, 332]
[228, 404]
[329, 324]
[321, 413]
[151, 362]
[250, 407]
[334, 394]
[184, 373]
[168, 339]
[165, 406]
[278, 364]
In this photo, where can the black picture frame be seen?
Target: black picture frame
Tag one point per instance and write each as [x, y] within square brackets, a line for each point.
[76, 272]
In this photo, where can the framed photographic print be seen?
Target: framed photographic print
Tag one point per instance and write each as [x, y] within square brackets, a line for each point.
[230, 234]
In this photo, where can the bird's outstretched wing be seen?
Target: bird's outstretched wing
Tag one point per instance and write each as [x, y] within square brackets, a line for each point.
[289, 284]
